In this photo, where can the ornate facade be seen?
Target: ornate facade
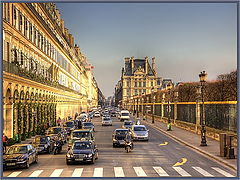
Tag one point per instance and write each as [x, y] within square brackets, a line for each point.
[138, 77]
[45, 75]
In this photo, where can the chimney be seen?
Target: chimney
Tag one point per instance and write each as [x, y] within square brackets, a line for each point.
[146, 65]
[71, 39]
[77, 49]
[132, 63]
[154, 65]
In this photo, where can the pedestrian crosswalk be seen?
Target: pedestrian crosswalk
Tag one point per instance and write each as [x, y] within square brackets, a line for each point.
[138, 172]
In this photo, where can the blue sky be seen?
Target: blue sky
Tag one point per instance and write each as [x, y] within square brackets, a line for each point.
[185, 38]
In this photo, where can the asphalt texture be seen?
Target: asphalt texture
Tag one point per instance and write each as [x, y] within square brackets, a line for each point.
[148, 159]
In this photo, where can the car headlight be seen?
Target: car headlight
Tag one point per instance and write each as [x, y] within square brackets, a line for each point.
[89, 155]
[146, 134]
[114, 140]
[69, 155]
[45, 145]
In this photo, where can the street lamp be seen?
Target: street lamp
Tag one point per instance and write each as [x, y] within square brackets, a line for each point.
[152, 97]
[203, 78]
[137, 107]
[169, 126]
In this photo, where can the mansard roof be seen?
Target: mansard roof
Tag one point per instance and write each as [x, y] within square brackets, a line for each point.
[137, 64]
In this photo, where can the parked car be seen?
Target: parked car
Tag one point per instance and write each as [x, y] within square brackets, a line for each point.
[82, 151]
[21, 155]
[43, 144]
[81, 134]
[127, 124]
[97, 114]
[139, 132]
[118, 137]
[88, 125]
[106, 121]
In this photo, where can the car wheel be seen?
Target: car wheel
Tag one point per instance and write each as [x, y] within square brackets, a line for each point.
[68, 162]
[97, 155]
[93, 160]
[27, 164]
[114, 145]
[36, 159]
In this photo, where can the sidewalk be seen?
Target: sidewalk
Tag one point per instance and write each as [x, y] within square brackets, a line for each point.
[192, 140]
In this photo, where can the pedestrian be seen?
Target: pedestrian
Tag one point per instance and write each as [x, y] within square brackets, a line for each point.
[59, 121]
[5, 142]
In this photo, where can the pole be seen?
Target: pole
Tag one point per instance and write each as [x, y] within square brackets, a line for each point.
[152, 108]
[169, 128]
[203, 131]
[137, 108]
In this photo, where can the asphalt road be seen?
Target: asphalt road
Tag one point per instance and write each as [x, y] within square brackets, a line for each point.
[148, 159]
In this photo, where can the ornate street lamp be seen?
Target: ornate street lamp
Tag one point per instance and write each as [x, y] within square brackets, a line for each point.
[152, 97]
[203, 78]
[169, 126]
[137, 107]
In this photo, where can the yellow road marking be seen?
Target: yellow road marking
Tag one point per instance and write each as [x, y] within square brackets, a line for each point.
[184, 160]
[164, 144]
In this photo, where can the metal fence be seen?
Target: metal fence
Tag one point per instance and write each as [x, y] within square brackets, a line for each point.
[186, 112]
[221, 116]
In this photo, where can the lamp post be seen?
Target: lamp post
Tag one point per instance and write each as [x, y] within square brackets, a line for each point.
[137, 107]
[169, 126]
[203, 77]
[152, 97]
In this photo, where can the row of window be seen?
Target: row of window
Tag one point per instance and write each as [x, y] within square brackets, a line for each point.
[31, 32]
[139, 84]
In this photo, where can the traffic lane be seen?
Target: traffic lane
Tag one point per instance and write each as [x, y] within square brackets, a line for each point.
[175, 151]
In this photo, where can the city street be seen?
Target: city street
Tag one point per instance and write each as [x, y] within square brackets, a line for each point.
[153, 158]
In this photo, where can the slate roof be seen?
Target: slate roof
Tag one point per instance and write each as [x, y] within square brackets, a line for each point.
[137, 64]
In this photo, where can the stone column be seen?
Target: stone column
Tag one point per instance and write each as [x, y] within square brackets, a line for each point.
[8, 120]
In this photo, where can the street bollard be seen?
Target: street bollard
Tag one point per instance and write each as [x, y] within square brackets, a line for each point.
[230, 149]
[222, 143]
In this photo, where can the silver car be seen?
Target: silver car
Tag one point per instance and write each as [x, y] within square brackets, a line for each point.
[139, 132]
[106, 121]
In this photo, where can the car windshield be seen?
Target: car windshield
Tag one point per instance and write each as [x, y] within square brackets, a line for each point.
[121, 132]
[55, 130]
[124, 114]
[87, 124]
[70, 124]
[41, 140]
[106, 119]
[82, 145]
[81, 134]
[140, 129]
[17, 150]
[127, 123]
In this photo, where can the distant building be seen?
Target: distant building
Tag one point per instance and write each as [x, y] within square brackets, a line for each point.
[138, 77]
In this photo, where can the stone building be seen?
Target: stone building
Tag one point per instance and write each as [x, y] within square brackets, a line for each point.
[138, 77]
[45, 75]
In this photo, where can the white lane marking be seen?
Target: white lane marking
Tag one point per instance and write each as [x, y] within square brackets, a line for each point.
[160, 171]
[77, 172]
[181, 171]
[119, 172]
[139, 171]
[222, 172]
[56, 173]
[36, 173]
[202, 171]
[98, 172]
[14, 174]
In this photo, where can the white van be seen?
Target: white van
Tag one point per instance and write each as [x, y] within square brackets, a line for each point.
[124, 115]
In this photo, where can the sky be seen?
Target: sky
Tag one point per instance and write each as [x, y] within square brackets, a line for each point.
[184, 38]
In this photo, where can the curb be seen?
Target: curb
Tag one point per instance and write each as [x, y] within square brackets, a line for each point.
[193, 147]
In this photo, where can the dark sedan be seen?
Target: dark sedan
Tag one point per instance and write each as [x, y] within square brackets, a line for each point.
[21, 155]
[43, 144]
[82, 151]
[118, 137]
